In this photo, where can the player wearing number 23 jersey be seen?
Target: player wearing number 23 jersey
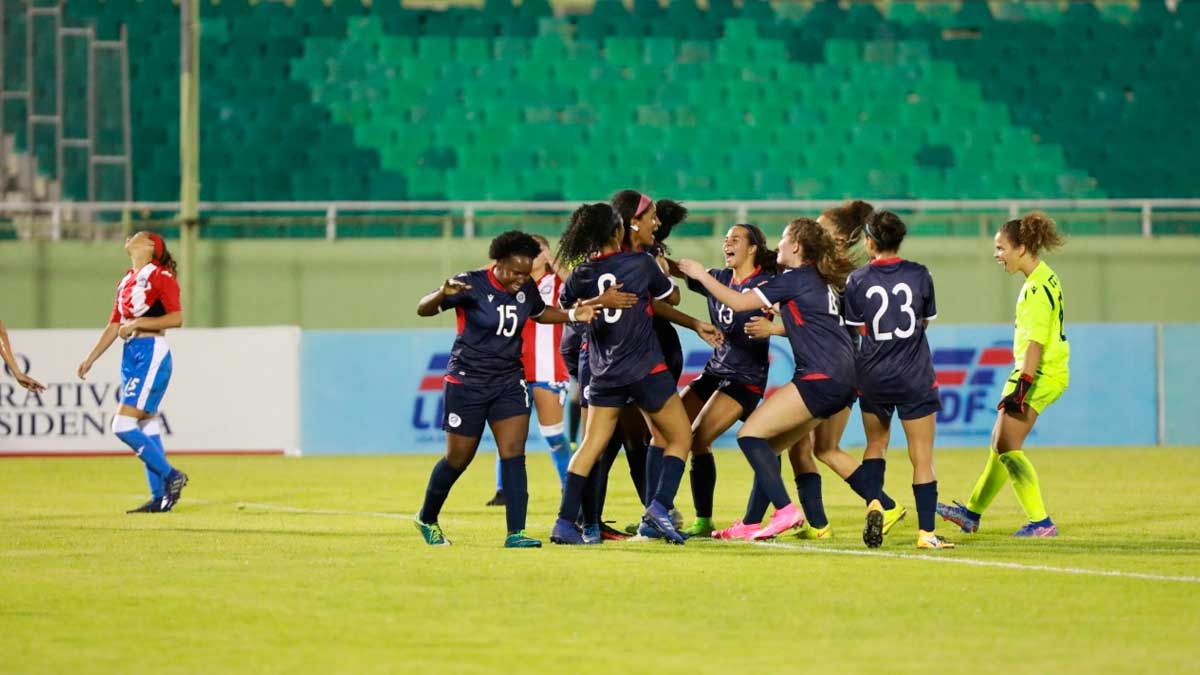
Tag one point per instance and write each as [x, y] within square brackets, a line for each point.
[892, 299]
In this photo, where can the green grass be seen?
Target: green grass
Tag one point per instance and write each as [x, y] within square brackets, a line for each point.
[214, 588]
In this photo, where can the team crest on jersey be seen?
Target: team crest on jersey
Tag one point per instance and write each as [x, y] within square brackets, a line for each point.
[520, 296]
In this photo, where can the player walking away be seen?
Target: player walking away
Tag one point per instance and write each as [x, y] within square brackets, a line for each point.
[1040, 375]
[545, 370]
[735, 377]
[892, 301]
[10, 364]
[147, 305]
[625, 359]
[485, 379]
[823, 383]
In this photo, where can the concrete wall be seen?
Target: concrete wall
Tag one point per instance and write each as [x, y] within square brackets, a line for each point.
[375, 283]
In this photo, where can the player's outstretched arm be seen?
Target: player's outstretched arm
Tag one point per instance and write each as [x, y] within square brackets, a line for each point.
[707, 332]
[10, 360]
[738, 302]
[107, 337]
[431, 304]
[580, 314]
[762, 328]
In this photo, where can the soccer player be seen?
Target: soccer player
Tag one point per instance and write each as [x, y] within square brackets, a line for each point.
[735, 378]
[545, 369]
[146, 306]
[485, 379]
[1040, 375]
[823, 383]
[625, 360]
[892, 301]
[10, 361]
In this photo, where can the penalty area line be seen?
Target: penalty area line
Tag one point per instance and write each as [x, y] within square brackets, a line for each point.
[975, 562]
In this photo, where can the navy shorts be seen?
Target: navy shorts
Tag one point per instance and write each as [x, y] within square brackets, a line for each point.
[470, 406]
[584, 378]
[747, 395]
[824, 397]
[920, 404]
[650, 393]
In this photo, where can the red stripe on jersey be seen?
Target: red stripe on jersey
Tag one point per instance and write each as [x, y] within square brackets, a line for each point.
[461, 316]
[814, 376]
[495, 282]
[887, 261]
[449, 378]
[754, 388]
[995, 356]
[791, 305]
[431, 383]
[953, 378]
[662, 367]
[687, 378]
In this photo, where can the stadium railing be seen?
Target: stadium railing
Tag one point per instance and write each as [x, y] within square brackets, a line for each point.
[330, 219]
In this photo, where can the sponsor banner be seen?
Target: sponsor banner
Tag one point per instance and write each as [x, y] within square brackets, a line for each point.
[232, 390]
[377, 392]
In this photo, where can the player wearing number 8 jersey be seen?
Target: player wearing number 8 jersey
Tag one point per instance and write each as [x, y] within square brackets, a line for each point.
[1040, 375]
[892, 300]
[485, 378]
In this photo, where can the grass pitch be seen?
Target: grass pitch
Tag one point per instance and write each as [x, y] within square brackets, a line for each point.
[310, 565]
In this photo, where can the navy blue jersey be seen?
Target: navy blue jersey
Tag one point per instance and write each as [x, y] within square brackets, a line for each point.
[490, 319]
[891, 299]
[741, 358]
[621, 344]
[812, 315]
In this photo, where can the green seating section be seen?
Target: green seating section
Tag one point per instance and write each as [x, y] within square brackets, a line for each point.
[313, 101]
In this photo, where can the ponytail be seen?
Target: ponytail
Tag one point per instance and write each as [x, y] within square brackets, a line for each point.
[764, 257]
[821, 251]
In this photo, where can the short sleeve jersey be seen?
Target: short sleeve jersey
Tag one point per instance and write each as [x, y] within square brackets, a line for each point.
[621, 344]
[490, 321]
[812, 316]
[1040, 319]
[740, 358]
[891, 299]
[150, 291]
[540, 352]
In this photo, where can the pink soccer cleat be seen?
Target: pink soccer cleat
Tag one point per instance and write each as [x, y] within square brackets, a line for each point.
[787, 518]
[738, 530]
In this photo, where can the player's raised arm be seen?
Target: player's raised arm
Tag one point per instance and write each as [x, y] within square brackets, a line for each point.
[738, 302]
[434, 302]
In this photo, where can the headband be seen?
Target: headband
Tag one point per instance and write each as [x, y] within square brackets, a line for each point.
[644, 203]
[158, 246]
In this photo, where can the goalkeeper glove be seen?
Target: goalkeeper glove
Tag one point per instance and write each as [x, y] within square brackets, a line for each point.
[1015, 402]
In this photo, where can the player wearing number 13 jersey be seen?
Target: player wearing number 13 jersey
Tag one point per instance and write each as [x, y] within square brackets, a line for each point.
[1040, 376]
[892, 300]
[485, 378]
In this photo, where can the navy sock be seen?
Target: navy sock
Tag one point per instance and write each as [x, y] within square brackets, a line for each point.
[926, 498]
[766, 469]
[670, 473]
[572, 497]
[440, 481]
[591, 495]
[878, 469]
[635, 454]
[756, 505]
[516, 492]
[704, 483]
[606, 463]
[654, 462]
[808, 485]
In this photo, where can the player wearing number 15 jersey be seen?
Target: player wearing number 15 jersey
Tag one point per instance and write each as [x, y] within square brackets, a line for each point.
[485, 378]
[892, 300]
[1039, 377]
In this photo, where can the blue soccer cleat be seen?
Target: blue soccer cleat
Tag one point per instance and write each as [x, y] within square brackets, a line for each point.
[565, 532]
[1042, 528]
[659, 517]
[960, 515]
[591, 535]
[521, 540]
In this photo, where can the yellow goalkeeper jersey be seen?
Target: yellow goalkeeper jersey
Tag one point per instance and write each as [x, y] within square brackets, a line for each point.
[1040, 319]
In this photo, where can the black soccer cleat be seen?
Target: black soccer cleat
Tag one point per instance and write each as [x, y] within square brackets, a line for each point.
[497, 499]
[174, 488]
[873, 530]
[151, 506]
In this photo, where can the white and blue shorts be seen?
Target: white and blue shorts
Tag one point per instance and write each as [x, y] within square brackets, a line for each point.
[145, 372]
[557, 388]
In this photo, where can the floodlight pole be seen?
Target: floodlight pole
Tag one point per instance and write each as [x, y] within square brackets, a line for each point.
[189, 144]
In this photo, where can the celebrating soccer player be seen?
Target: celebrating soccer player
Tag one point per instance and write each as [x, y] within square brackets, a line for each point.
[1040, 375]
[147, 305]
[892, 300]
[485, 378]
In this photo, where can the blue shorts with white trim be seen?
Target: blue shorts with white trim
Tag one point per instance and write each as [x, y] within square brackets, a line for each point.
[145, 372]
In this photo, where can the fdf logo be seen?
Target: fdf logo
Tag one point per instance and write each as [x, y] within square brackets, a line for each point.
[969, 383]
[428, 405]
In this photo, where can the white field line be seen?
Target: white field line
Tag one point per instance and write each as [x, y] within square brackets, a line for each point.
[947, 558]
[974, 562]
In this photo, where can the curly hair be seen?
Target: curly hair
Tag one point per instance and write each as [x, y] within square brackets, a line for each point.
[849, 219]
[821, 250]
[591, 227]
[1036, 231]
[513, 242]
